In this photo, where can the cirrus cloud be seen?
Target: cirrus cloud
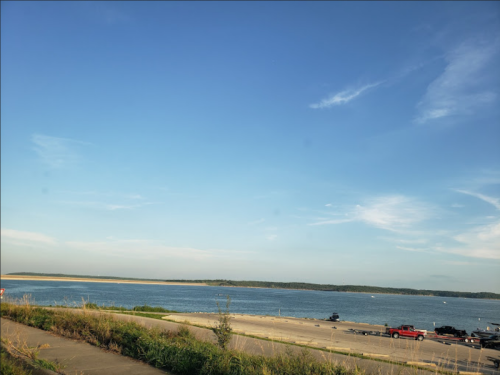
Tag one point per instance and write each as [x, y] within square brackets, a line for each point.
[17, 236]
[465, 85]
[343, 97]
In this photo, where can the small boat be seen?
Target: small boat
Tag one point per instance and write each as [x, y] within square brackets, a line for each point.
[373, 297]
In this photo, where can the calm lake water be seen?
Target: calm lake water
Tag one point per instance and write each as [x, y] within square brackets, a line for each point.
[423, 312]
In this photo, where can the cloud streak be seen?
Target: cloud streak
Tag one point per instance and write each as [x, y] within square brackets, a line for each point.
[342, 97]
[108, 206]
[394, 213]
[465, 84]
[18, 236]
[133, 248]
[56, 152]
[257, 222]
[479, 242]
[493, 201]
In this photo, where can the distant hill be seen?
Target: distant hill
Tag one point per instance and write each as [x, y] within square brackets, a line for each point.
[294, 285]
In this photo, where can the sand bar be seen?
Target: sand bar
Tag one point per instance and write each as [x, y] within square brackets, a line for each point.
[94, 280]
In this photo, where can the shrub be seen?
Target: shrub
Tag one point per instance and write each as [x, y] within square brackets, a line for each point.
[223, 327]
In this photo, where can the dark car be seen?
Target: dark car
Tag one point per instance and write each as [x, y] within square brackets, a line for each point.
[449, 330]
[334, 318]
[492, 342]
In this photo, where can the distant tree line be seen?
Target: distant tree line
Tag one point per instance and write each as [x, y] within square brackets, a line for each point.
[79, 276]
[294, 285]
[344, 288]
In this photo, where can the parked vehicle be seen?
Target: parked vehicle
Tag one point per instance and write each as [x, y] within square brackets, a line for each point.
[492, 342]
[449, 330]
[486, 332]
[405, 331]
[334, 318]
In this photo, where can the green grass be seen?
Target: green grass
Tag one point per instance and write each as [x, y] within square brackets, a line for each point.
[11, 366]
[144, 308]
[176, 351]
[144, 315]
[49, 365]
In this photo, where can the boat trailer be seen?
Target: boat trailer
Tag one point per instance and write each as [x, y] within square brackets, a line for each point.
[365, 333]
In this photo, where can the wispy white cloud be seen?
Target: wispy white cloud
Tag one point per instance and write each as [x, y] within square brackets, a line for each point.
[257, 222]
[110, 200]
[109, 194]
[111, 246]
[103, 13]
[405, 240]
[342, 97]
[464, 86]
[323, 221]
[272, 194]
[150, 249]
[394, 213]
[328, 205]
[134, 196]
[271, 237]
[479, 242]
[491, 200]
[108, 206]
[413, 249]
[143, 249]
[26, 237]
[459, 263]
[57, 152]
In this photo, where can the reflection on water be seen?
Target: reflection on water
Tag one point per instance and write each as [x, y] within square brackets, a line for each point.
[420, 311]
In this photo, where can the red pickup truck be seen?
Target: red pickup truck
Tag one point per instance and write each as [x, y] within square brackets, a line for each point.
[405, 331]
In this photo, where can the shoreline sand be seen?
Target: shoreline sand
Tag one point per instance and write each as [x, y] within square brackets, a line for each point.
[94, 280]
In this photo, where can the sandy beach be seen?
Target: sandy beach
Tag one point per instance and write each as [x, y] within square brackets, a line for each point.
[94, 280]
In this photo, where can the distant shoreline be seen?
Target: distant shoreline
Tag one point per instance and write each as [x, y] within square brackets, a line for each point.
[96, 280]
[363, 289]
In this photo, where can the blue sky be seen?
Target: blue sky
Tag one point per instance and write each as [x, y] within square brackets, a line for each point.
[326, 142]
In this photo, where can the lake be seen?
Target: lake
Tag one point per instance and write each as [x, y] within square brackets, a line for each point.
[421, 311]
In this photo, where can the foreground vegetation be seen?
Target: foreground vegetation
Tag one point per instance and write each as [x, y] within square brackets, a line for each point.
[179, 351]
[12, 366]
[296, 285]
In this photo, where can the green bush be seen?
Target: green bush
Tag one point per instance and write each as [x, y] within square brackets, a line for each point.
[152, 309]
